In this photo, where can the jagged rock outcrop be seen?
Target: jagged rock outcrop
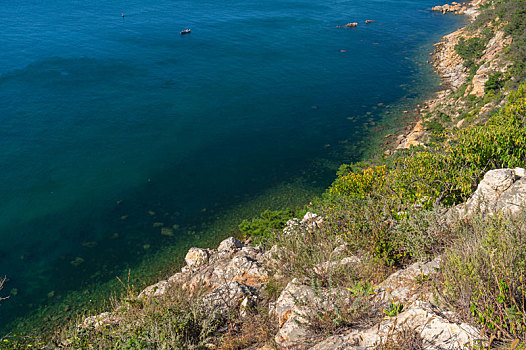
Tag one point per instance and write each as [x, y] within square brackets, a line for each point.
[231, 261]
[309, 223]
[413, 138]
[233, 274]
[455, 8]
[230, 296]
[403, 285]
[434, 329]
[501, 190]
[447, 62]
[100, 320]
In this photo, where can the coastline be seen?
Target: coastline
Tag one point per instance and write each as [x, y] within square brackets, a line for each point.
[448, 65]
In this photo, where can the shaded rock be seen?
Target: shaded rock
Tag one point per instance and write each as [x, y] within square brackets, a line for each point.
[155, 290]
[455, 8]
[413, 138]
[402, 286]
[296, 303]
[447, 62]
[309, 223]
[347, 263]
[291, 315]
[103, 319]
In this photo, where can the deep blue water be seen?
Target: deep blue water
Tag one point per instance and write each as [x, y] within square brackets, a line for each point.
[110, 126]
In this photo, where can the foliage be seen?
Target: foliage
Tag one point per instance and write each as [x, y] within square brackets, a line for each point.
[510, 16]
[373, 208]
[173, 321]
[402, 337]
[334, 309]
[362, 288]
[501, 143]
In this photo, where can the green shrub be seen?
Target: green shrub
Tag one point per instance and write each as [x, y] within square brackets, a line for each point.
[494, 83]
[369, 207]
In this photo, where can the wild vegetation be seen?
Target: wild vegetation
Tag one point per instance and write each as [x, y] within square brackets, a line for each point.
[389, 212]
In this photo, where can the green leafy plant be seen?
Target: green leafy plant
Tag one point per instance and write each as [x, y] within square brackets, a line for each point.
[484, 274]
[362, 288]
[394, 309]
[471, 50]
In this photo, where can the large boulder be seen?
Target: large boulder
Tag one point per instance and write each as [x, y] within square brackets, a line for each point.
[297, 306]
[229, 296]
[403, 286]
[501, 190]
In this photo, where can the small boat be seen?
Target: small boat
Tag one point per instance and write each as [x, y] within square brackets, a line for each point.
[186, 31]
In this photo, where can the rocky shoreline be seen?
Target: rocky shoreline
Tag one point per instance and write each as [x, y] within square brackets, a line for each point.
[449, 66]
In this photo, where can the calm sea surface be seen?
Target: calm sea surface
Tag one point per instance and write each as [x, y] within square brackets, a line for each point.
[123, 142]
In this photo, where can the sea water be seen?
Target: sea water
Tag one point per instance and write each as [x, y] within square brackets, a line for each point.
[122, 142]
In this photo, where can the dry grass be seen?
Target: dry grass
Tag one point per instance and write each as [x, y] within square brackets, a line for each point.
[256, 329]
[404, 338]
[484, 275]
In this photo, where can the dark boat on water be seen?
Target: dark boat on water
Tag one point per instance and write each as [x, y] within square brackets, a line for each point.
[186, 31]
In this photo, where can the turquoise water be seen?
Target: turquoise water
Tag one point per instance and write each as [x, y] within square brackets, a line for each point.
[114, 128]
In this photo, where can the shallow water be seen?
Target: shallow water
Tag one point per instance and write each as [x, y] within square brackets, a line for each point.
[114, 128]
